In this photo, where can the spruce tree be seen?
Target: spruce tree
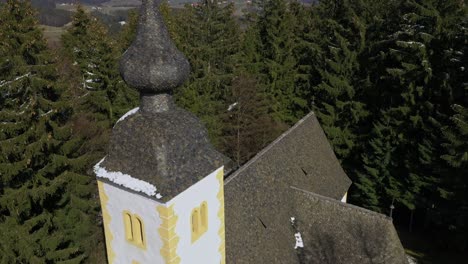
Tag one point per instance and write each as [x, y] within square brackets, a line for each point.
[43, 204]
[452, 211]
[104, 94]
[128, 32]
[248, 126]
[276, 26]
[412, 99]
[208, 35]
[337, 97]
[404, 91]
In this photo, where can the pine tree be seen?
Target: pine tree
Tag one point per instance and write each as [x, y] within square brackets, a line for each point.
[37, 187]
[414, 100]
[452, 210]
[375, 181]
[248, 126]
[276, 26]
[307, 50]
[104, 94]
[128, 32]
[208, 35]
[404, 91]
[337, 97]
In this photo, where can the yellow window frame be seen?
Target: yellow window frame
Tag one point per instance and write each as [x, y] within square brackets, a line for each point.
[199, 221]
[134, 229]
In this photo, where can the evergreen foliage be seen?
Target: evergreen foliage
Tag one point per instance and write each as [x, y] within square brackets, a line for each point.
[452, 211]
[248, 126]
[387, 80]
[411, 103]
[336, 100]
[208, 35]
[276, 27]
[128, 32]
[95, 53]
[45, 212]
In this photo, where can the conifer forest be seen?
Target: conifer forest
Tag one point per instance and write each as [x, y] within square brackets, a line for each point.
[387, 79]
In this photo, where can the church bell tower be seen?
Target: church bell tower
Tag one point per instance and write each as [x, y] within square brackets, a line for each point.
[161, 183]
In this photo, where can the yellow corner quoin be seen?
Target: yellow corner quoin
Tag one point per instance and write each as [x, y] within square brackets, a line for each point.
[106, 218]
[220, 196]
[168, 234]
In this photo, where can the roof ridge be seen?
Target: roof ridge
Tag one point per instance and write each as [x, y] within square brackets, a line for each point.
[264, 150]
[347, 205]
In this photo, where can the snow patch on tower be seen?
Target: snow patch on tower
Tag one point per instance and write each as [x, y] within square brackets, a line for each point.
[126, 181]
[129, 113]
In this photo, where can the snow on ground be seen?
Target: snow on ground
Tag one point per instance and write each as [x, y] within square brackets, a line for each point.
[126, 180]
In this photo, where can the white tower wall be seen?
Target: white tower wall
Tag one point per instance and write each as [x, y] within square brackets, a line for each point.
[167, 227]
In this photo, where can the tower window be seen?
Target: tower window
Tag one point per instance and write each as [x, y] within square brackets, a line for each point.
[128, 226]
[138, 230]
[199, 221]
[134, 229]
[195, 220]
[204, 216]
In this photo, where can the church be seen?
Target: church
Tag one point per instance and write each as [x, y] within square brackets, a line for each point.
[167, 196]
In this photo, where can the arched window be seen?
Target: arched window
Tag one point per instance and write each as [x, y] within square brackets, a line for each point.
[199, 221]
[138, 231]
[128, 226]
[134, 229]
[195, 224]
[204, 217]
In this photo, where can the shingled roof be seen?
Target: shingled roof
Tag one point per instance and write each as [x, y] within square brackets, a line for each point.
[299, 177]
[303, 157]
[169, 150]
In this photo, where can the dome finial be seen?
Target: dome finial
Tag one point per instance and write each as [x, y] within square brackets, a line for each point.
[152, 64]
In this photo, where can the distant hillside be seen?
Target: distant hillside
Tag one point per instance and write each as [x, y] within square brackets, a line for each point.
[54, 17]
[49, 4]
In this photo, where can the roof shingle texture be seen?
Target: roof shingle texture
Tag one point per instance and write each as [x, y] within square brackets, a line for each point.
[260, 199]
[302, 157]
[167, 149]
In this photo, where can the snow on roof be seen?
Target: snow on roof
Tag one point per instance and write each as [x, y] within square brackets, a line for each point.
[129, 113]
[299, 242]
[126, 180]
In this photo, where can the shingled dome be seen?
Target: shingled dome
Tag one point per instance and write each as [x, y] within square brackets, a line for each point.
[158, 150]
